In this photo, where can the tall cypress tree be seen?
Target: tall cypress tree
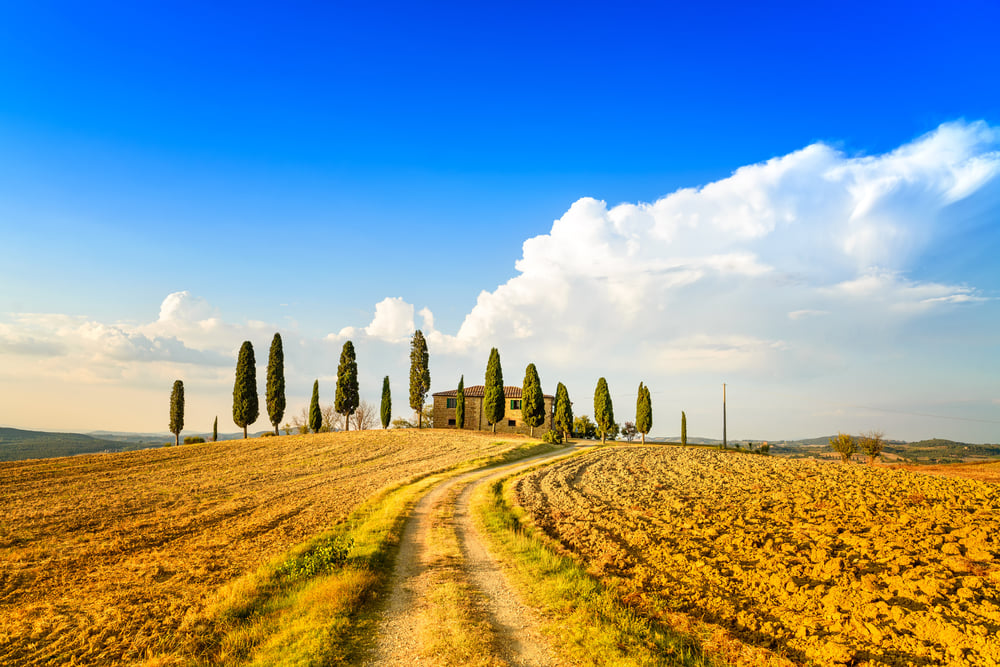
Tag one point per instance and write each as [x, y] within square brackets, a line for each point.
[684, 429]
[563, 418]
[643, 412]
[532, 400]
[315, 414]
[246, 407]
[460, 403]
[177, 411]
[386, 410]
[215, 429]
[494, 406]
[346, 400]
[604, 413]
[276, 382]
[420, 375]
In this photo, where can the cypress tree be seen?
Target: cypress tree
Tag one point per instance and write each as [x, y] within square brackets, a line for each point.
[494, 406]
[215, 429]
[564, 411]
[420, 375]
[643, 412]
[386, 410]
[532, 400]
[246, 407]
[346, 400]
[604, 413]
[177, 411]
[684, 429]
[276, 382]
[315, 415]
[460, 403]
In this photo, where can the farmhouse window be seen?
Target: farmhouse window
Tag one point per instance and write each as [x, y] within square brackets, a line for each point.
[451, 422]
[511, 422]
[451, 402]
[515, 404]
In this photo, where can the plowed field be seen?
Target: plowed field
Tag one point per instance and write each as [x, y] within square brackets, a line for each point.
[103, 556]
[820, 562]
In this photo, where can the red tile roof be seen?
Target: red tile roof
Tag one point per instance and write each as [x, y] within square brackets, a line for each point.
[479, 391]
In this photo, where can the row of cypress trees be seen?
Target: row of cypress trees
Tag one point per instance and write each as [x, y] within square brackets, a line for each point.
[246, 408]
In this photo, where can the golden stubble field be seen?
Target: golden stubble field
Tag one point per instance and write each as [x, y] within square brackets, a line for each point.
[103, 556]
[818, 562]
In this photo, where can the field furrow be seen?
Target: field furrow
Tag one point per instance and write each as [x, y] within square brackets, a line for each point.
[828, 563]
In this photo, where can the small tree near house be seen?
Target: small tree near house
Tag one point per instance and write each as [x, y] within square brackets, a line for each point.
[563, 418]
[460, 403]
[532, 400]
[604, 413]
[494, 403]
[420, 375]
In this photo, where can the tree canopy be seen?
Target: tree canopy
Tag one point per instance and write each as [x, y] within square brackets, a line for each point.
[604, 413]
[494, 403]
[347, 398]
[460, 403]
[532, 399]
[420, 374]
[563, 418]
[276, 382]
[315, 414]
[177, 411]
[385, 411]
[246, 407]
[643, 412]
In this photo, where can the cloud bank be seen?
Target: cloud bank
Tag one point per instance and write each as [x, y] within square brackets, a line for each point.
[721, 275]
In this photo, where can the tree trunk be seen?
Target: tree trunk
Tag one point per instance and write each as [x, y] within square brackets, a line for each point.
[347, 422]
[604, 438]
[531, 431]
[494, 427]
[244, 432]
[276, 430]
[177, 439]
[644, 438]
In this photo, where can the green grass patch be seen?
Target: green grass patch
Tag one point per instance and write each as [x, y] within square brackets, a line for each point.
[588, 624]
[314, 605]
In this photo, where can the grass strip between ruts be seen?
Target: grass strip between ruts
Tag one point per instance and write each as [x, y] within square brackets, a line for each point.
[586, 622]
[278, 616]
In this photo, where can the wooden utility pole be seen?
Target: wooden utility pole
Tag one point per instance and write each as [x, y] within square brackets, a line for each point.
[724, 443]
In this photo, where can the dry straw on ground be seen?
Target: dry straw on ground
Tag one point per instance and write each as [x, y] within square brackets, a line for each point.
[830, 563]
[103, 556]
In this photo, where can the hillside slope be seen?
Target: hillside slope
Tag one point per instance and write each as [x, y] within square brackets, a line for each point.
[104, 557]
[17, 445]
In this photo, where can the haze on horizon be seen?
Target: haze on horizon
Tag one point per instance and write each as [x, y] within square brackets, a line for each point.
[801, 204]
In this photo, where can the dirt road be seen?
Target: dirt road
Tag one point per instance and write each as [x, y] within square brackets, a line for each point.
[513, 628]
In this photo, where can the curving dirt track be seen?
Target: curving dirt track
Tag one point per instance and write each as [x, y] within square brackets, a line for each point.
[516, 638]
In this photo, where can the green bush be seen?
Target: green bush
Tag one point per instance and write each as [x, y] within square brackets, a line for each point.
[193, 439]
[267, 434]
[320, 560]
[554, 437]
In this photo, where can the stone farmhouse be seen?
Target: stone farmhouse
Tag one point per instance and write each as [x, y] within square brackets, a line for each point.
[444, 411]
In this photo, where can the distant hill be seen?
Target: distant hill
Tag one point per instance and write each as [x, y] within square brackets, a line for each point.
[16, 445]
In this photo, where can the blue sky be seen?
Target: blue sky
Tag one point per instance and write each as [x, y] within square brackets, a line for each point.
[289, 167]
